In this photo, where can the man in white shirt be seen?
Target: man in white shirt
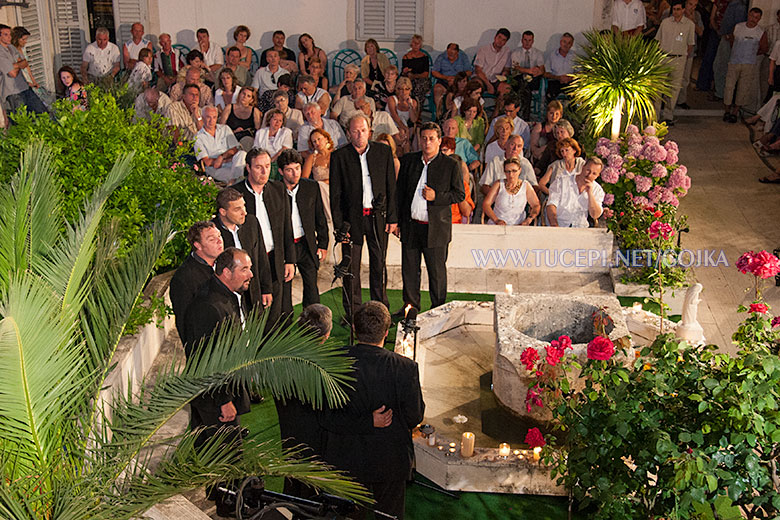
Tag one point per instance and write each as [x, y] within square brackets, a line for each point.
[345, 107]
[628, 17]
[493, 60]
[313, 115]
[132, 47]
[218, 148]
[495, 169]
[559, 67]
[676, 37]
[574, 198]
[528, 70]
[212, 54]
[100, 58]
[748, 41]
[266, 77]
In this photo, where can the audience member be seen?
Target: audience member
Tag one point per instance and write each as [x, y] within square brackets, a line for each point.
[473, 91]
[194, 59]
[511, 108]
[378, 453]
[570, 163]
[266, 77]
[389, 140]
[283, 84]
[562, 130]
[100, 58]
[317, 165]
[495, 146]
[374, 64]
[241, 35]
[384, 89]
[559, 67]
[676, 37]
[309, 92]
[445, 70]
[212, 54]
[167, 63]
[185, 115]
[141, 76]
[528, 70]
[628, 17]
[318, 73]
[461, 212]
[494, 171]
[505, 201]
[293, 118]
[456, 90]
[309, 226]
[308, 51]
[345, 107]
[133, 46]
[748, 42]
[274, 137]
[574, 198]
[351, 72]
[463, 147]
[416, 65]
[150, 101]
[217, 148]
[19, 37]
[228, 88]
[266, 199]
[312, 113]
[493, 60]
[16, 92]
[233, 64]
[471, 125]
[192, 76]
[381, 122]
[405, 111]
[285, 54]
[542, 132]
[71, 86]
[243, 117]
[362, 195]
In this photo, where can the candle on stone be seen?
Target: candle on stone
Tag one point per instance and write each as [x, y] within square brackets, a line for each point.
[504, 450]
[467, 444]
[537, 453]
[452, 450]
[441, 448]
[508, 288]
[637, 306]
[516, 452]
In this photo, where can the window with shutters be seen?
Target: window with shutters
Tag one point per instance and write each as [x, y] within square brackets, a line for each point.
[389, 20]
[69, 33]
[126, 13]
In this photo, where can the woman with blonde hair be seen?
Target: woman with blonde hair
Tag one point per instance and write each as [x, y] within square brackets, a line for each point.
[542, 132]
[317, 165]
[505, 203]
[405, 111]
[318, 73]
[496, 146]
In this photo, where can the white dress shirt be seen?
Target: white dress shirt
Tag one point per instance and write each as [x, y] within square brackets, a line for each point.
[368, 191]
[297, 223]
[419, 204]
[262, 217]
[571, 205]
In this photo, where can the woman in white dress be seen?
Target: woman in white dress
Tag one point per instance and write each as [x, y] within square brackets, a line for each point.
[274, 136]
[505, 203]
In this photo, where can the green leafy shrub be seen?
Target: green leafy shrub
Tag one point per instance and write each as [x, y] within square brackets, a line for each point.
[87, 143]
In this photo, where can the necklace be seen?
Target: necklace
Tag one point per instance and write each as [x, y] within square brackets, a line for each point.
[514, 188]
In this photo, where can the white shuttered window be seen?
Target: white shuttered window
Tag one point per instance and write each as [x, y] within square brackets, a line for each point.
[70, 30]
[126, 13]
[389, 20]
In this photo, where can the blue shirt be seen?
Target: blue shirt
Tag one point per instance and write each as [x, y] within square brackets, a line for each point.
[465, 150]
[444, 66]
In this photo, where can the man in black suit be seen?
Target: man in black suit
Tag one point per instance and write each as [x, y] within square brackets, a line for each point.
[241, 230]
[429, 182]
[196, 270]
[380, 458]
[362, 195]
[309, 225]
[268, 201]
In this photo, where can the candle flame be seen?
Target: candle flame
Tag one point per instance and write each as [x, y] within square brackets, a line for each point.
[407, 309]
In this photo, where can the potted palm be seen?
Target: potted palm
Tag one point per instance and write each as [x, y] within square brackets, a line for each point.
[65, 296]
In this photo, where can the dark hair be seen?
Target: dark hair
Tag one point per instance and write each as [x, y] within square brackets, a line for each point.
[459, 76]
[567, 35]
[226, 196]
[449, 143]
[288, 156]
[373, 42]
[528, 33]
[571, 143]
[371, 322]
[306, 78]
[453, 44]
[756, 10]
[252, 154]
[143, 53]
[17, 33]
[189, 86]
[284, 80]
[300, 45]
[240, 29]
[227, 259]
[468, 103]
[280, 94]
[231, 49]
[512, 99]
[279, 31]
[202, 30]
[68, 69]
[430, 125]
[193, 234]
[317, 317]
[194, 53]
[504, 32]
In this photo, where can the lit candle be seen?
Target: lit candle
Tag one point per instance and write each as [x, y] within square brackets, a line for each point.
[516, 452]
[467, 444]
[508, 288]
[504, 450]
[452, 450]
[537, 453]
[637, 306]
[452, 445]
[441, 448]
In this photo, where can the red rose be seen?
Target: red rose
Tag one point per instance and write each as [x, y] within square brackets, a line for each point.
[765, 265]
[554, 355]
[534, 438]
[744, 262]
[565, 342]
[600, 349]
[529, 357]
[758, 307]
[532, 397]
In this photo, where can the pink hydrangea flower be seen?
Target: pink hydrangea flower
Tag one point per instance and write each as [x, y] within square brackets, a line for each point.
[671, 157]
[609, 198]
[669, 197]
[643, 202]
[659, 171]
[634, 140]
[650, 130]
[655, 194]
[634, 150]
[651, 140]
[672, 146]
[654, 152]
[615, 161]
[602, 141]
[679, 181]
[630, 175]
[642, 183]
[632, 130]
[602, 151]
[610, 175]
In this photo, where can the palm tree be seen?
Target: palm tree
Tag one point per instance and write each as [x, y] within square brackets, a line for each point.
[619, 74]
[64, 299]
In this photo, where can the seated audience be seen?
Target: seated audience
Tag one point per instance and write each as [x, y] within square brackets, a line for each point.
[212, 54]
[344, 88]
[446, 68]
[494, 171]
[318, 73]
[312, 113]
[374, 65]
[241, 35]
[416, 66]
[473, 91]
[494, 60]
[559, 67]
[192, 76]
[233, 64]
[471, 125]
[150, 101]
[461, 212]
[405, 111]
[293, 118]
[309, 92]
[133, 47]
[456, 90]
[384, 89]
[185, 115]
[542, 132]
[505, 202]
[308, 51]
[380, 122]
[141, 76]
[194, 58]
[243, 117]
[496, 145]
[71, 86]
[528, 70]
[286, 56]
[463, 148]
[266, 77]
[562, 130]
[511, 107]
[570, 163]
[389, 140]
[345, 107]
[317, 165]
[227, 88]
[283, 84]
[100, 58]
[217, 148]
[167, 63]
[274, 136]
[574, 198]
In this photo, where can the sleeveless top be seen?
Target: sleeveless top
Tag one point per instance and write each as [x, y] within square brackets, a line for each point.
[233, 122]
[320, 173]
[403, 114]
[510, 208]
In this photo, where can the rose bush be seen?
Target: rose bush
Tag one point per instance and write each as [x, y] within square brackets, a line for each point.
[601, 349]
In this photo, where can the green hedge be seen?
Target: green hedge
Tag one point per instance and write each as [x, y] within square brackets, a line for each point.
[86, 144]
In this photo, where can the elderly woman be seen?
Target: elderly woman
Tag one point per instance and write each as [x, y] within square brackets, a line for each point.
[374, 65]
[574, 198]
[542, 132]
[570, 163]
[471, 125]
[228, 89]
[384, 89]
[344, 88]
[405, 111]
[317, 165]
[496, 147]
[505, 203]
[416, 67]
[243, 117]
[274, 136]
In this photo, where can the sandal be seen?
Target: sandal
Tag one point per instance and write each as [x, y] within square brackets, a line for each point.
[767, 180]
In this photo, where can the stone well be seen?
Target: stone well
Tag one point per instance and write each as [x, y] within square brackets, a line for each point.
[534, 320]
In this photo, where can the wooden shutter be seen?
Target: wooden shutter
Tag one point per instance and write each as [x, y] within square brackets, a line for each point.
[388, 20]
[69, 42]
[126, 13]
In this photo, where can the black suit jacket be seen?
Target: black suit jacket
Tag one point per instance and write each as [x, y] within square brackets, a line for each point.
[251, 237]
[213, 305]
[277, 204]
[445, 178]
[346, 187]
[188, 279]
[311, 209]
[350, 440]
